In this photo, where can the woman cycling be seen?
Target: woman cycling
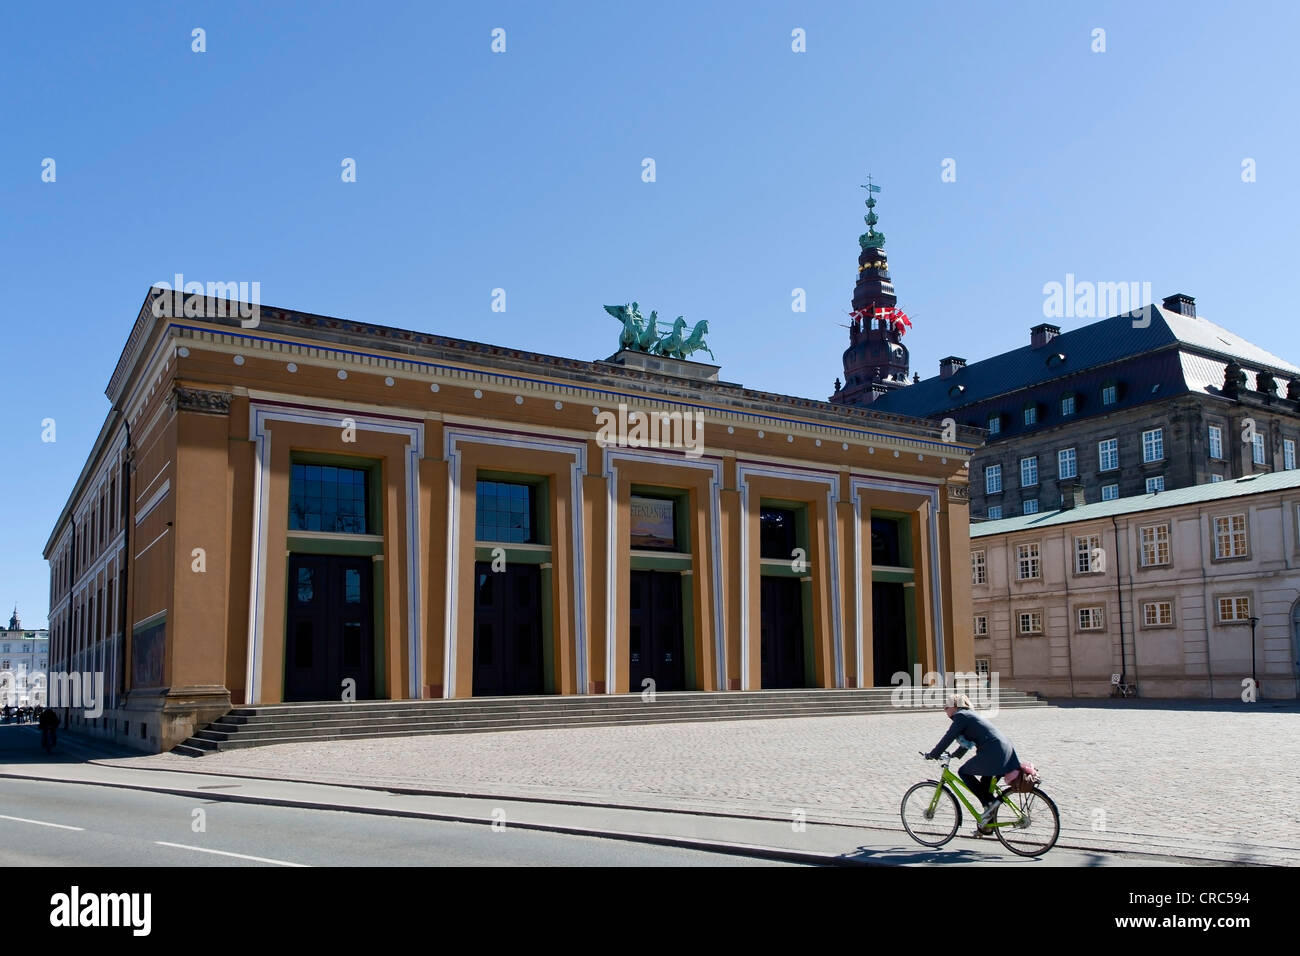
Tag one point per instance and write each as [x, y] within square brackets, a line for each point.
[994, 755]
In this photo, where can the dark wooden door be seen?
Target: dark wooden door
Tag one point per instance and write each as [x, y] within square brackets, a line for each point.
[656, 647]
[888, 632]
[507, 630]
[781, 634]
[330, 631]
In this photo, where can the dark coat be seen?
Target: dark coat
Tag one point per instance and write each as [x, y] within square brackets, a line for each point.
[994, 754]
[49, 719]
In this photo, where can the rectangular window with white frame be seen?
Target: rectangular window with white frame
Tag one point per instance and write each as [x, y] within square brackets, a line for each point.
[982, 667]
[1153, 445]
[1258, 449]
[1089, 619]
[1030, 506]
[1288, 453]
[1109, 492]
[1230, 536]
[978, 568]
[1154, 545]
[994, 512]
[1087, 554]
[1155, 484]
[1216, 442]
[1067, 463]
[1028, 562]
[1031, 622]
[1157, 614]
[992, 479]
[981, 625]
[1108, 454]
[1214, 478]
[1029, 471]
[1234, 609]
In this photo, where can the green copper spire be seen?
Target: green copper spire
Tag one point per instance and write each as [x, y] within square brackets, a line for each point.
[871, 239]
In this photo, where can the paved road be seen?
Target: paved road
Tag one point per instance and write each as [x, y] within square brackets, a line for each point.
[63, 824]
[1199, 781]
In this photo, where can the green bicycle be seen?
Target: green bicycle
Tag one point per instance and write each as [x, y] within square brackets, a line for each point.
[1026, 821]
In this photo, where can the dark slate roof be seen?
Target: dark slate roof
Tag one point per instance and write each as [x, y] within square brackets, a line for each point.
[1190, 343]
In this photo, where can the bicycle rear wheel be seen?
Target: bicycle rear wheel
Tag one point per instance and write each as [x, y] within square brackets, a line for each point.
[1032, 827]
[925, 827]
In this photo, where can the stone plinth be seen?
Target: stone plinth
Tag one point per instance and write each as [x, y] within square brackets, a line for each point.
[698, 371]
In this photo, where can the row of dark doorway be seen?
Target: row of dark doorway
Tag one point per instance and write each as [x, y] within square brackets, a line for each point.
[331, 637]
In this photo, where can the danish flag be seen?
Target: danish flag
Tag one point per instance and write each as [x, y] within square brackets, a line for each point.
[897, 317]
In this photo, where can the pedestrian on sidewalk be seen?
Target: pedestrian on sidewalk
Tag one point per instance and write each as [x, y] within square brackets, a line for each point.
[49, 729]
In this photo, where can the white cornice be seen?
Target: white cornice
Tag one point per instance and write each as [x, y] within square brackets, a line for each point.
[233, 343]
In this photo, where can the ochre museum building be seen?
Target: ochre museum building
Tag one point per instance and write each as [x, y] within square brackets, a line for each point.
[308, 508]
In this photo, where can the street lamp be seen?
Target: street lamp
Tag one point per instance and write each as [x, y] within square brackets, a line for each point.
[1254, 679]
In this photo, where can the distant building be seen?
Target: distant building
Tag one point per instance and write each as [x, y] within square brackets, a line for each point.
[25, 657]
[1153, 400]
[1160, 589]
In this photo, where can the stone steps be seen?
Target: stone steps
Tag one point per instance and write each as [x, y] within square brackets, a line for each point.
[328, 720]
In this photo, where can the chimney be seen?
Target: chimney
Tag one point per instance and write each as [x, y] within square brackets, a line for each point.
[1040, 335]
[1180, 303]
[948, 366]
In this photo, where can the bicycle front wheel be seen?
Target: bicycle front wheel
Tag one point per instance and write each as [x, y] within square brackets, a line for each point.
[1027, 823]
[927, 826]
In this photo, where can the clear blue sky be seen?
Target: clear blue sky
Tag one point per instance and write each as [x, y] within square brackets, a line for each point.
[522, 171]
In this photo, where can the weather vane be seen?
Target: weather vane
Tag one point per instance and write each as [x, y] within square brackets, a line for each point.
[871, 239]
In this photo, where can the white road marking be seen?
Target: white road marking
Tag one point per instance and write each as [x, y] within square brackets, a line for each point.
[40, 823]
[242, 856]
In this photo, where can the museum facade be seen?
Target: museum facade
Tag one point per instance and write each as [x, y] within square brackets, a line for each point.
[301, 507]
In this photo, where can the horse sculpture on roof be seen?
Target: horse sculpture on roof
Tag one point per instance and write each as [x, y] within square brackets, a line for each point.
[640, 334]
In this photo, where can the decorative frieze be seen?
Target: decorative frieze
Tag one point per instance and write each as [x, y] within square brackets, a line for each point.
[200, 400]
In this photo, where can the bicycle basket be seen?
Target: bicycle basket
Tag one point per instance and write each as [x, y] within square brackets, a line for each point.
[1023, 780]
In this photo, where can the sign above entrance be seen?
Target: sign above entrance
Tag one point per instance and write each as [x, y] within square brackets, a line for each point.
[653, 523]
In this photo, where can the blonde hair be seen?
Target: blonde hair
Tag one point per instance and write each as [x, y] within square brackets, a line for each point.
[960, 701]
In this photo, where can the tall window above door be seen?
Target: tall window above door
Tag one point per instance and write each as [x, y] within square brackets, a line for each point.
[329, 498]
[505, 511]
[776, 530]
[887, 549]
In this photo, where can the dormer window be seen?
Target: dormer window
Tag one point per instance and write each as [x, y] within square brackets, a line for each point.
[1110, 393]
[1031, 414]
[995, 424]
[1067, 404]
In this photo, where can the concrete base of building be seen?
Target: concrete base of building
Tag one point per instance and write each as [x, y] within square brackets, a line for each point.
[154, 721]
[1163, 688]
